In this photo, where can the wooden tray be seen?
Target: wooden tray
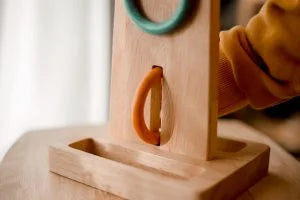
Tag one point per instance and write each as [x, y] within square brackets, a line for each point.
[138, 172]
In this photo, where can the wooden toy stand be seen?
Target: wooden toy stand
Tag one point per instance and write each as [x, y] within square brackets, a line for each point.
[191, 162]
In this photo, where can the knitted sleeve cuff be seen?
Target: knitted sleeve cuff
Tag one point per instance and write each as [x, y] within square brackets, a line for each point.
[230, 97]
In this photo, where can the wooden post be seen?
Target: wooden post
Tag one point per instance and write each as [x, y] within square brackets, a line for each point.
[188, 57]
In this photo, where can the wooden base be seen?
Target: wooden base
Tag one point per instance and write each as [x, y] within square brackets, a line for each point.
[134, 171]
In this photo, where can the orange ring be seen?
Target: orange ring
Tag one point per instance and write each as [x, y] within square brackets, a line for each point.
[138, 120]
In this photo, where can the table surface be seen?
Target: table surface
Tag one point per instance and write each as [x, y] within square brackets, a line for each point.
[24, 170]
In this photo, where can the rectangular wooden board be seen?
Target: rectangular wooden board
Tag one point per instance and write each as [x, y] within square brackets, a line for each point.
[188, 57]
[141, 172]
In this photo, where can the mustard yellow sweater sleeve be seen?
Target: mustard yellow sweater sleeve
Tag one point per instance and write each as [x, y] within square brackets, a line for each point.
[260, 64]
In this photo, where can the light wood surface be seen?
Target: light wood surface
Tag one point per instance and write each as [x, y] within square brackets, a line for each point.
[24, 170]
[139, 172]
[188, 57]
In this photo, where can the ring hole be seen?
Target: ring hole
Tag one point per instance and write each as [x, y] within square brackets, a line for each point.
[155, 104]
[162, 11]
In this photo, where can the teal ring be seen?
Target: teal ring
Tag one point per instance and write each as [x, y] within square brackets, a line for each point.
[157, 28]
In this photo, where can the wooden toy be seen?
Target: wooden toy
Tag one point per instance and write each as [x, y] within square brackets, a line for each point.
[178, 154]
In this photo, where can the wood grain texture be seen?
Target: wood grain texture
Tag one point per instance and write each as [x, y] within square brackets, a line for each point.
[139, 172]
[188, 57]
[24, 170]
[155, 106]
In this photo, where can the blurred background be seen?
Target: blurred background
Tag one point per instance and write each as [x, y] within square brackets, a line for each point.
[54, 64]
[55, 68]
